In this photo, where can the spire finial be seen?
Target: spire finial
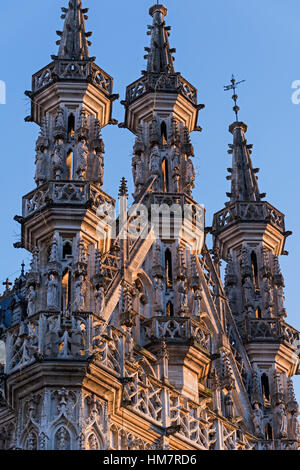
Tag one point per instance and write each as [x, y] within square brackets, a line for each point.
[233, 86]
[123, 191]
[73, 42]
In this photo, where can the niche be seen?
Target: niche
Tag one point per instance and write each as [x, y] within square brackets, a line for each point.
[258, 313]
[170, 309]
[67, 249]
[269, 432]
[254, 271]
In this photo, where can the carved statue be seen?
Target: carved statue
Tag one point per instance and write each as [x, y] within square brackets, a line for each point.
[190, 176]
[182, 295]
[159, 292]
[138, 173]
[267, 294]
[280, 301]
[155, 165]
[76, 340]
[52, 292]
[58, 159]
[257, 417]
[51, 338]
[40, 176]
[31, 301]
[80, 290]
[99, 300]
[280, 420]
[197, 303]
[81, 154]
[248, 291]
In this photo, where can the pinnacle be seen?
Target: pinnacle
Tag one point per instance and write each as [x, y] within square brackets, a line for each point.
[73, 42]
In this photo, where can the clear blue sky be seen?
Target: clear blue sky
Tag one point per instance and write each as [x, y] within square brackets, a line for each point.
[258, 40]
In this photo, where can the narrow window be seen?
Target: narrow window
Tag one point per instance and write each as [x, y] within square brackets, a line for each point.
[170, 309]
[165, 172]
[168, 267]
[265, 387]
[71, 126]
[66, 291]
[67, 250]
[269, 432]
[258, 313]
[163, 130]
[254, 270]
[70, 165]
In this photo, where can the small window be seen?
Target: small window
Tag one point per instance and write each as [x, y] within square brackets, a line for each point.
[70, 165]
[163, 130]
[258, 313]
[170, 309]
[71, 126]
[265, 387]
[67, 250]
[165, 172]
[254, 270]
[269, 432]
[66, 291]
[168, 267]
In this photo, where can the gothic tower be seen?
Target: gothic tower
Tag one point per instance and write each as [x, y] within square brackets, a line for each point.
[121, 335]
[249, 234]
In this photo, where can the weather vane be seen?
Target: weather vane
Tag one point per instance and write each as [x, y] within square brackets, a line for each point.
[233, 87]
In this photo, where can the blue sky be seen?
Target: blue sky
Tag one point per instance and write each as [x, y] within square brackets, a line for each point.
[257, 40]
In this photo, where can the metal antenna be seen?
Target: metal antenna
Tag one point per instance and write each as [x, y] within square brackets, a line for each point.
[233, 87]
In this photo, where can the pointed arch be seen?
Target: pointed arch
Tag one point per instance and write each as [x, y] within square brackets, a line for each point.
[265, 386]
[71, 125]
[254, 270]
[168, 267]
[70, 165]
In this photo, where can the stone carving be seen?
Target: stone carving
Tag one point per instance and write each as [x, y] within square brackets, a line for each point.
[100, 300]
[40, 174]
[81, 154]
[257, 416]
[80, 290]
[57, 160]
[52, 292]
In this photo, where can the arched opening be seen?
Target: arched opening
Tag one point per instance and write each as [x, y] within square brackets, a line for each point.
[258, 313]
[165, 172]
[254, 271]
[269, 432]
[67, 250]
[163, 131]
[62, 439]
[66, 290]
[265, 387]
[168, 268]
[71, 126]
[170, 309]
[70, 165]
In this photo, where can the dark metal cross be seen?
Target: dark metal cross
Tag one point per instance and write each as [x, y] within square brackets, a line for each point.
[233, 87]
[7, 284]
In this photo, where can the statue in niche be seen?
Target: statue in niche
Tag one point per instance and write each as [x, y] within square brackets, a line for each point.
[129, 345]
[31, 301]
[155, 166]
[99, 300]
[138, 173]
[190, 177]
[58, 159]
[52, 292]
[51, 338]
[182, 294]
[257, 416]
[81, 154]
[40, 176]
[159, 290]
[197, 303]
[175, 158]
[248, 291]
[76, 340]
[267, 295]
[100, 169]
[280, 420]
[80, 290]
[280, 301]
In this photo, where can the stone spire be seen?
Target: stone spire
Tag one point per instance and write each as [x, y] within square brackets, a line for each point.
[243, 177]
[160, 59]
[74, 44]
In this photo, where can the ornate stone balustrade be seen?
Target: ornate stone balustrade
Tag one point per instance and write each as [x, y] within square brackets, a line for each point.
[248, 212]
[64, 192]
[270, 330]
[179, 329]
[74, 70]
[61, 336]
[161, 82]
